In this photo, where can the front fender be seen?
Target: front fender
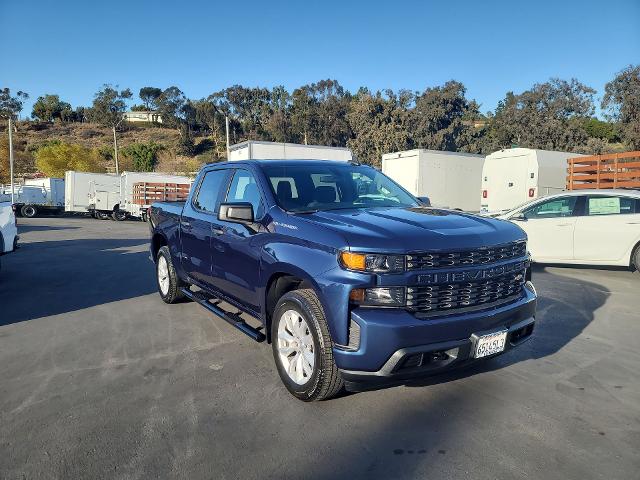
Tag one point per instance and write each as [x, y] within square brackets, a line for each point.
[319, 268]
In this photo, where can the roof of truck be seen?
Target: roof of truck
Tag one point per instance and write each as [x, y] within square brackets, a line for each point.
[289, 162]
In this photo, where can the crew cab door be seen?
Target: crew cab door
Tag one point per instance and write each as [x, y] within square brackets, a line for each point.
[550, 225]
[609, 228]
[236, 247]
[199, 223]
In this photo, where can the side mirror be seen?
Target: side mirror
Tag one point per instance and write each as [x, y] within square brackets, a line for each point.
[518, 217]
[425, 201]
[241, 212]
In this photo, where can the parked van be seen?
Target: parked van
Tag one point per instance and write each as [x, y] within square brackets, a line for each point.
[517, 175]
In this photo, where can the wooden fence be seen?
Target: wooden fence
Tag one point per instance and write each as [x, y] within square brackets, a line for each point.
[613, 170]
[145, 193]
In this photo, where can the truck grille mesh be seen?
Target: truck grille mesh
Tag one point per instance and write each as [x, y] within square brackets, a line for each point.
[465, 296]
[480, 256]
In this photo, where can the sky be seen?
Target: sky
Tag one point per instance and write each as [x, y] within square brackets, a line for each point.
[71, 48]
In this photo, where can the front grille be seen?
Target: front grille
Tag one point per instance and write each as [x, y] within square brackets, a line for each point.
[479, 256]
[465, 296]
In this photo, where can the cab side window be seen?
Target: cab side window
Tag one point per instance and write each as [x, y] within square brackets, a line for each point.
[603, 205]
[209, 191]
[244, 188]
[557, 207]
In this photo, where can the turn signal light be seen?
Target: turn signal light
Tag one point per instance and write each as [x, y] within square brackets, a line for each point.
[353, 261]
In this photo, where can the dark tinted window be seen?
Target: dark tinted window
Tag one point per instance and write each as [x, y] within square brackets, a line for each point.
[605, 205]
[334, 186]
[245, 189]
[209, 191]
[557, 207]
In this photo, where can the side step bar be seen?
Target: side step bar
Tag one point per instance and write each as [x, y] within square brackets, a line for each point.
[232, 318]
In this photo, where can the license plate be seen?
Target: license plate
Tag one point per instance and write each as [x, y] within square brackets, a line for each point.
[489, 344]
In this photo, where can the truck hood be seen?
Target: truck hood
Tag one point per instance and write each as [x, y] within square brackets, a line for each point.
[415, 229]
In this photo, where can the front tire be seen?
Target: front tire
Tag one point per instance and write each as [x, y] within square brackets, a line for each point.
[302, 347]
[28, 211]
[169, 284]
[635, 259]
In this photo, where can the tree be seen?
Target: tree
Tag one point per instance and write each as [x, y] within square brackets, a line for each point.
[11, 106]
[177, 111]
[54, 160]
[109, 106]
[380, 124]
[142, 156]
[622, 101]
[544, 117]
[49, 107]
[438, 120]
[278, 122]
[149, 97]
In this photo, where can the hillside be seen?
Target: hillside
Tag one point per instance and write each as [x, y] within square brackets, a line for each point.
[29, 136]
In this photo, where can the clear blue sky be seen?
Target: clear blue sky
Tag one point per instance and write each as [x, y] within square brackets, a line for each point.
[73, 47]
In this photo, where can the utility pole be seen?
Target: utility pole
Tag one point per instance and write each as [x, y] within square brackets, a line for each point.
[115, 149]
[226, 121]
[11, 156]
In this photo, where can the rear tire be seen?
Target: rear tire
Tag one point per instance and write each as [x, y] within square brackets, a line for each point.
[29, 211]
[302, 347]
[169, 284]
[119, 215]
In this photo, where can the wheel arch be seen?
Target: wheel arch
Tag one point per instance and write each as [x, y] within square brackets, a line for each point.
[157, 242]
[281, 281]
[634, 250]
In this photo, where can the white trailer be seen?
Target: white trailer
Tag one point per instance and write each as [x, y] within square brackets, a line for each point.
[37, 195]
[517, 175]
[125, 201]
[449, 179]
[81, 188]
[255, 150]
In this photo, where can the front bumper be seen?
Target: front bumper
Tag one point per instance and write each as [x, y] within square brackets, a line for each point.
[395, 345]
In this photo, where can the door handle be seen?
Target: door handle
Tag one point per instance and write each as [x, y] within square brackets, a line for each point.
[217, 230]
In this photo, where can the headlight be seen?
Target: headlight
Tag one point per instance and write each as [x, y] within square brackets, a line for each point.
[379, 296]
[372, 262]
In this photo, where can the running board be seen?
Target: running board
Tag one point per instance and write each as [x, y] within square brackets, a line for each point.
[232, 318]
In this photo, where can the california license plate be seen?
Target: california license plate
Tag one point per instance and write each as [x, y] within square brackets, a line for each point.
[489, 344]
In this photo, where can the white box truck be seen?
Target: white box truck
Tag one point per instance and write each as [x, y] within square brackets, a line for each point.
[81, 188]
[256, 150]
[514, 176]
[449, 179]
[37, 195]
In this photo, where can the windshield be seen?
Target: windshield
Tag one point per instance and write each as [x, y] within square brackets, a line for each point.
[300, 188]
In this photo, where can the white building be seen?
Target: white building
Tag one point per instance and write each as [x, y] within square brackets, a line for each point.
[144, 116]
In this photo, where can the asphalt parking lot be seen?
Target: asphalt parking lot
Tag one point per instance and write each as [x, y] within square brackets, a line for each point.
[100, 379]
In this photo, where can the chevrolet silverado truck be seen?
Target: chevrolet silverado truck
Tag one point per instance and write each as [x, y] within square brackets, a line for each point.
[354, 281]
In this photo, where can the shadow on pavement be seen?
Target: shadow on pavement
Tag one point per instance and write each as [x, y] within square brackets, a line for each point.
[22, 228]
[54, 277]
[566, 307]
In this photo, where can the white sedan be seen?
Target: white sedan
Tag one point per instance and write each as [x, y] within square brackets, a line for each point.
[594, 227]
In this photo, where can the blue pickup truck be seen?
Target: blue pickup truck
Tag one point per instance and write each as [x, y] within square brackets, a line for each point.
[353, 281]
